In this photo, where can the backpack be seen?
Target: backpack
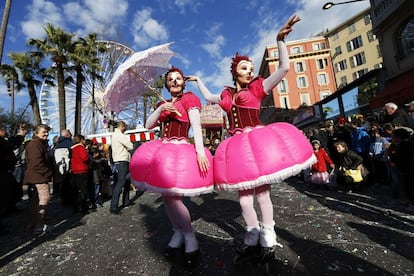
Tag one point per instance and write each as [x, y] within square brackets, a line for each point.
[62, 160]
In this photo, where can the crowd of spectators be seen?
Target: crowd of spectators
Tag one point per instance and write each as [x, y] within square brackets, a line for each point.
[80, 174]
[382, 148]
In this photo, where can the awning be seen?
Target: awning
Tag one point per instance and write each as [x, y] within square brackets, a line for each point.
[105, 138]
[399, 90]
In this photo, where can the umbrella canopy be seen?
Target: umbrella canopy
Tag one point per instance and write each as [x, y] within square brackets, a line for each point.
[136, 77]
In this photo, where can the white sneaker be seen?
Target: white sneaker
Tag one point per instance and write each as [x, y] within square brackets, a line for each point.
[268, 236]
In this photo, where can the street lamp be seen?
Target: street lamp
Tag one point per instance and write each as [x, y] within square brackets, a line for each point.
[10, 90]
[331, 4]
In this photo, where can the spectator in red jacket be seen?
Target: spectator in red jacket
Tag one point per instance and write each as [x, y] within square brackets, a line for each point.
[319, 171]
[80, 170]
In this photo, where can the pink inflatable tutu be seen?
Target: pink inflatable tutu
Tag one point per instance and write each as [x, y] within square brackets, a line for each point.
[262, 155]
[169, 167]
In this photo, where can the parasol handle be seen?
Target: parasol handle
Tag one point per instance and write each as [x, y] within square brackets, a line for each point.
[151, 88]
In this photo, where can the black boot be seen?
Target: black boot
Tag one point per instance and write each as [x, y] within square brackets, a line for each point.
[267, 253]
[175, 246]
[247, 253]
[191, 258]
[85, 207]
[171, 253]
[192, 251]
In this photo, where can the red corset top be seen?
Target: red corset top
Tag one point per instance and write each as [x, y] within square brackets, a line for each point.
[175, 128]
[240, 118]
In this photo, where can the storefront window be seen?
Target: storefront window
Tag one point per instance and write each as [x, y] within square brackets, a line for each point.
[406, 39]
[331, 109]
[350, 99]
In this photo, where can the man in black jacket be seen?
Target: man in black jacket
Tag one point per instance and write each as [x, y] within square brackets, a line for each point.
[62, 153]
[394, 115]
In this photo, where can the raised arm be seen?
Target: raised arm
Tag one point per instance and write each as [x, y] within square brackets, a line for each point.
[270, 82]
[208, 96]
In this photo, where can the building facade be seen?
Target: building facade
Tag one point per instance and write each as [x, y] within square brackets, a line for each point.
[393, 24]
[322, 65]
[354, 48]
[310, 78]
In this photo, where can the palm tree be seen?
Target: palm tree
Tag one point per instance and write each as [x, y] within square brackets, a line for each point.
[27, 66]
[151, 99]
[12, 79]
[85, 61]
[4, 24]
[57, 45]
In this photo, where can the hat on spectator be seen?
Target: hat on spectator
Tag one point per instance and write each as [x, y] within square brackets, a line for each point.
[316, 142]
[357, 119]
[410, 103]
[342, 120]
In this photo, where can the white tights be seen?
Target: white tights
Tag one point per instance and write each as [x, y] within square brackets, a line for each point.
[264, 201]
[180, 219]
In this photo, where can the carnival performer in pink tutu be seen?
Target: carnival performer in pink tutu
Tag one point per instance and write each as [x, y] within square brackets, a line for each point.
[174, 167]
[255, 155]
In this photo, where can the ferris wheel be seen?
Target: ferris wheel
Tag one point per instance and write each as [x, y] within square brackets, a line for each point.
[92, 107]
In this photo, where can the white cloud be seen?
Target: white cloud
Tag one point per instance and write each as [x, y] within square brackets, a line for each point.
[39, 13]
[104, 10]
[214, 48]
[103, 16]
[12, 33]
[146, 30]
[182, 5]
[224, 77]
[100, 16]
[217, 41]
[216, 81]
[184, 60]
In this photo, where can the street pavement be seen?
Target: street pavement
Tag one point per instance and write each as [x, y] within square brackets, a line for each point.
[323, 232]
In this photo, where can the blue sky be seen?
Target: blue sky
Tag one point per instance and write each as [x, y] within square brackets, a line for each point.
[206, 33]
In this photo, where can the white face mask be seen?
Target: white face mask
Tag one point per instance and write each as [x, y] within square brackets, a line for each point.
[175, 81]
[245, 68]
